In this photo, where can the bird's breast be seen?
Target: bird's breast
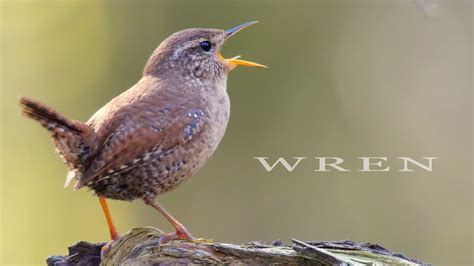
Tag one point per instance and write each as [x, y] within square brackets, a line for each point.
[216, 108]
[190, 122]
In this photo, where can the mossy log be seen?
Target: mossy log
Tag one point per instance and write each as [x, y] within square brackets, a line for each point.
[139, 247]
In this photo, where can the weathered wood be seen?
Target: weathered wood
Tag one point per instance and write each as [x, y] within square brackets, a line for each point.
[139, 247]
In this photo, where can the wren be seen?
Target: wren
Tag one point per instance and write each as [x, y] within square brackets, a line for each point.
[157, 134]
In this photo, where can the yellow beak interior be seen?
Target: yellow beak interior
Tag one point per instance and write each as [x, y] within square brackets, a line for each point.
[236, 61]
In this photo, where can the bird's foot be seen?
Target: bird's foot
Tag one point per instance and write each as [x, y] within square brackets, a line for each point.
[180, 234]
[108, 247]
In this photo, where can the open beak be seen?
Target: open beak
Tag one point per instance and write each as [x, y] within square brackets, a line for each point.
[235, 61]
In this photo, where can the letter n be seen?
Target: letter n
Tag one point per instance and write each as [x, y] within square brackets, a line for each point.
[428, 167]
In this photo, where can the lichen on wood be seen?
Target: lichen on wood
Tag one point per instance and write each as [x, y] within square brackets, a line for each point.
[139, 247]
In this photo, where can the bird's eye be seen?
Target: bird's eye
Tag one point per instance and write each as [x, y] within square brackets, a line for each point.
[205, 45]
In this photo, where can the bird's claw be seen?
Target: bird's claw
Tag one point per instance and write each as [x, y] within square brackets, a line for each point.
[181, 234]
[105, 250]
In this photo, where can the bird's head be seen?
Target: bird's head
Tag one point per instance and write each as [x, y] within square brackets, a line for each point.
[196, 52]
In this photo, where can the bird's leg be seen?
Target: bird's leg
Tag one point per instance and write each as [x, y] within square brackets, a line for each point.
[181, 232]
[112, 230]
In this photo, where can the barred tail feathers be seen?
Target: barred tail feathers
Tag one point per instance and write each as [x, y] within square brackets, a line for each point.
[48, 117]
[74, 141]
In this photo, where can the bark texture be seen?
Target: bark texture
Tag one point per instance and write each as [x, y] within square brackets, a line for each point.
[139, 247]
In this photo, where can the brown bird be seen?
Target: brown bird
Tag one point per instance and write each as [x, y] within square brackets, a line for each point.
[157, 134]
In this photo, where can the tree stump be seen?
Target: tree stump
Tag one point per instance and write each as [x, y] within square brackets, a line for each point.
[139, 247]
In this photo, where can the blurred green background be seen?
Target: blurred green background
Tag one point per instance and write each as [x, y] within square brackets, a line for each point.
[346, 78]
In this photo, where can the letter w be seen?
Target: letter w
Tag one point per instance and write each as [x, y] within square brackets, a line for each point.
[289, 168]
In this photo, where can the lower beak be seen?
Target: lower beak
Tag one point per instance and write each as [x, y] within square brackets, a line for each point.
[235, 61]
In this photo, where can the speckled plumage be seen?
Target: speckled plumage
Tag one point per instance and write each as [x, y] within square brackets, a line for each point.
[165, 143]
[157, 134]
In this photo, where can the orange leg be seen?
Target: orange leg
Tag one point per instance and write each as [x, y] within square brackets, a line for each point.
[112, 230]
[181, 232]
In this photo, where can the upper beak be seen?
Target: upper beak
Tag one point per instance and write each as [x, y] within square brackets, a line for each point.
[235, 61]
[234, 30]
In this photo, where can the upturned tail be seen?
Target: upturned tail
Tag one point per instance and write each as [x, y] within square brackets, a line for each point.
[46, 116]
[74, 140]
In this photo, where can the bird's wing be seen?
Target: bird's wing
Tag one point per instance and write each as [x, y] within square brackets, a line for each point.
[142, 139]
